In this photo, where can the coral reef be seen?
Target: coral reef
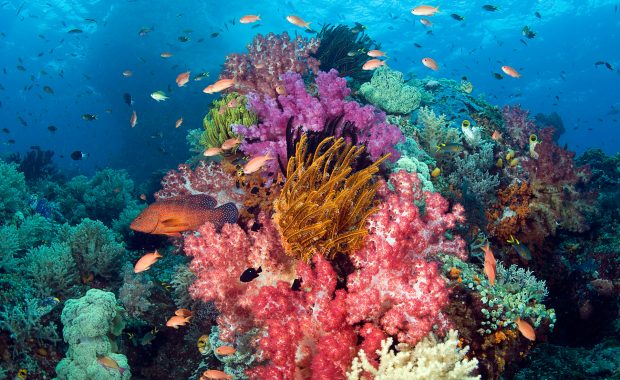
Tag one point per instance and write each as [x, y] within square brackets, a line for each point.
[435, 130]
[12, 191]
[267, 59]
[429, 359]
[225, 112]
[298, 112]
[324, 204]
[87, 323]
[387, 91]
[344, 49]
[402, 237]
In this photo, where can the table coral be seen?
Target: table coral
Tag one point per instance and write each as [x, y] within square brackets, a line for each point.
[269, 57]
[395, 285]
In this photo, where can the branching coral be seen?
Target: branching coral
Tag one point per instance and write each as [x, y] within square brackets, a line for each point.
[94, 247]
[435, 130]
[429, 359]
[324, 205]
[267, 59]
[225, 112]
[387, 91]
[471, 174]
[12, 191]
[51, 268]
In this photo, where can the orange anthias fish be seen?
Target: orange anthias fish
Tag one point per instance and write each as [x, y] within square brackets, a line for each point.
[214, 151]
[430, 63]
[185, 213]
[497, 135]
[183, 313]
[510, 71]
[177, 321]
[375, 53]
[248, 19]
[146, 261]
[373, 64]
[298, 21]
[133, 121]
[490, 264]
[108, 362]
[256, 163]
[526, 329]
[182, 79]
[218, 86]
[225, 350]
[424, 10]
[214, 374]
[166, 54]
[230, 143]
[178, 123]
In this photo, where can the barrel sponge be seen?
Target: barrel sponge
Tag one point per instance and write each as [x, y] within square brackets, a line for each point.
[87, 324]
[387, 91]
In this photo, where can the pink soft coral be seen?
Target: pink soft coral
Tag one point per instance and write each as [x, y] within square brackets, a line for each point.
[219, 259]
[396, 285]
[207, 178]
[267, 58]
[307, 334]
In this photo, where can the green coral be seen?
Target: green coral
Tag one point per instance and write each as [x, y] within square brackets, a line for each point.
[219, 119]
[387, 91]
[12, 191]
[94, 247]
[51, 269]
[435, 130]
[515, 294]
[102, 197]
[88, 324]
[25, 321]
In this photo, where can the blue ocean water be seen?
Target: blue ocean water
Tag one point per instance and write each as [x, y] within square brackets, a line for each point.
[85, 69]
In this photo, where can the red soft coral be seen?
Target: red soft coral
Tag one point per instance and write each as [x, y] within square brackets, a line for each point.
[205, 179]
[396, 286]
[219, 259]
[307, 335]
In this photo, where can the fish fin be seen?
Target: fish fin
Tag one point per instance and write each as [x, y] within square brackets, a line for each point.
[171, 223]
[259, 270]
[174, 234]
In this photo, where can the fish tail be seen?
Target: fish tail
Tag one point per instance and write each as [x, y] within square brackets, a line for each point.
[226, 213]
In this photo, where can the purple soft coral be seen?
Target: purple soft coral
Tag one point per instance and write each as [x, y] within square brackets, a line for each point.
[310, 113]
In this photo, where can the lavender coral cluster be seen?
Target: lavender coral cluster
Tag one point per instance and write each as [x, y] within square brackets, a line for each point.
[298, 111]
[269, 57]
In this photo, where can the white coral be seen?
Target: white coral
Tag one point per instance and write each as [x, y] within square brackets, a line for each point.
[429, 359]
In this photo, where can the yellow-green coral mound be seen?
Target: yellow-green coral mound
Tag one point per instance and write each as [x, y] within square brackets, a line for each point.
[387, 91]
[224, 113]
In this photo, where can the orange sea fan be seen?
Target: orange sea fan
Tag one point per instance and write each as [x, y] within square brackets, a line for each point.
[324, 205]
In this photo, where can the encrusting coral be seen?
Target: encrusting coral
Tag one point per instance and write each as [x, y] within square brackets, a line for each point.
[324, 205]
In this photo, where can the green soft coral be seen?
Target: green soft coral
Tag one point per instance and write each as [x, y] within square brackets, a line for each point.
[88, 324]
[12, 191]
[221, 116]
[517, 293]
[387, 91]
[95, 248]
